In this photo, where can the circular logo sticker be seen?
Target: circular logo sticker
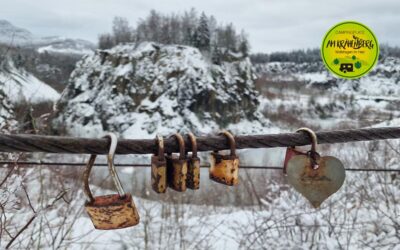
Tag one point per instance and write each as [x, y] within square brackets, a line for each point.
[350, 50]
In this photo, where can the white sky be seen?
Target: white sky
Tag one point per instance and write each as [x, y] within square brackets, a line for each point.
[272, 25]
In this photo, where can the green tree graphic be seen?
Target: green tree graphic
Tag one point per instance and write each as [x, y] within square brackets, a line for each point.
[353, 57]
[357, 64]
[336, 61]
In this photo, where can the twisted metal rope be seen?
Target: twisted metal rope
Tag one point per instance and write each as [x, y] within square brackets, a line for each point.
[29, 164]
[74, 145]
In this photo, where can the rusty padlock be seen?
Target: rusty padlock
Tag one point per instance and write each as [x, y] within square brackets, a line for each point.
[315, 177]
[225, 168]
[177, 167]
[159, 168]
[109, 211]
[193, 174]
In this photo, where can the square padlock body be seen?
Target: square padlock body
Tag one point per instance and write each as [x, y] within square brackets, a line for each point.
[112, 212]
[176, 173]
[158, 174]
[224, 169]
[193, 174]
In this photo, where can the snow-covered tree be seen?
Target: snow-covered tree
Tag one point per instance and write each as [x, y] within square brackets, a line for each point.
[187, 29]
[122, 31]
[216, 55]
[106, 41]
[202, 34]
[244, 46]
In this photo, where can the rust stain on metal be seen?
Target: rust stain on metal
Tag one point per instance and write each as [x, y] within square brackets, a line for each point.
[177, 170]
[193, 174]
[112, 212]
[224, 169]
[158, 174]
[290, 153]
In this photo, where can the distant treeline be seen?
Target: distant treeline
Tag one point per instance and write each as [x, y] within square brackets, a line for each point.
[297, 56]
[189, 28]
[312, 55]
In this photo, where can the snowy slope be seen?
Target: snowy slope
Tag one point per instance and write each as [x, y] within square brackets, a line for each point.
[383, 80]
[10, 34]
[317, 98]
[149, 88]
[19, 85]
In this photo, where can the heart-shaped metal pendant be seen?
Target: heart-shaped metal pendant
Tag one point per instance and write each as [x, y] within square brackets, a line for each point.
[316, 184]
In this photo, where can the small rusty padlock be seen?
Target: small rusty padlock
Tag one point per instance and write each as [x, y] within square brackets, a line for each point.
[109, 211]
[225, 168]
[193, 174]
[177, 167]
[159, 168]
[315, 177]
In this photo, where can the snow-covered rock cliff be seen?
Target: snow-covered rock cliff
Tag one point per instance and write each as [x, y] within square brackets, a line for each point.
[140, 90]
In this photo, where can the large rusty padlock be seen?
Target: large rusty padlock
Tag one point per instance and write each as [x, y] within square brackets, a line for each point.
[177, 167]
[315, 177]
[225, 168]
[159, 168]
[109, 211]
[193, 174]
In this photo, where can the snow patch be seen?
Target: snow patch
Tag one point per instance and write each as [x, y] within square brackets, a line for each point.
[19, 85]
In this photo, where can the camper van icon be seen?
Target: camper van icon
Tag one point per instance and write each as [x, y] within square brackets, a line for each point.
[346, 67]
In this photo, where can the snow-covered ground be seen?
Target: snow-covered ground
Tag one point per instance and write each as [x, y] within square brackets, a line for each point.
[311, 96]
[20, 85]
[362, 214]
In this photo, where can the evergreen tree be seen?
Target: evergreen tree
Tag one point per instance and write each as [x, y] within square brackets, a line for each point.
[188, 28]
[202, 34]
[106, 41]
[195, 39]
[188, 37]
[216, 56]
[227, 37]
[244, 46]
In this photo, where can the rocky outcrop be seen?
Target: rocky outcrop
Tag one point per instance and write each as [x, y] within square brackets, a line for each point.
[149, 88]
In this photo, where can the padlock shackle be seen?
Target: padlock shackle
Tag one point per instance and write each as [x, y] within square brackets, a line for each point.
[231, 140]
[111, 167]
[313, 137]
[312, 154]
[160, 147]
[193, 142]
[181, 143]
[86, 174]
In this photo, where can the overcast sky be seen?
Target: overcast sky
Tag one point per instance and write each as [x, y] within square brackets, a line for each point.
[272, 25]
